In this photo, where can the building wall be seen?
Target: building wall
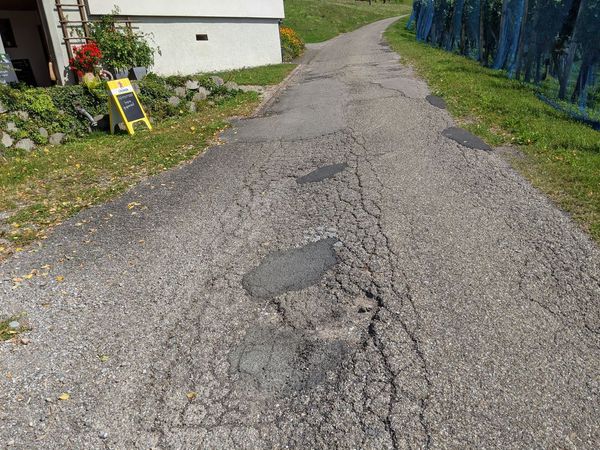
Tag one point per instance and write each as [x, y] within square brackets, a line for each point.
[231, 44]
[265, 9]
[29, 45]
[55, 39]
[241, 33]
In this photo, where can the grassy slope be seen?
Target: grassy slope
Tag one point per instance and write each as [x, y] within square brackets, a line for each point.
[319, 20]
[562, 156]
[259, 76]
[43, 187]
[39, 189]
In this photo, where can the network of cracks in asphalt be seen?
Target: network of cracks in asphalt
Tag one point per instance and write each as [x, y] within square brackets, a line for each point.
[342, 365]
[345, 360]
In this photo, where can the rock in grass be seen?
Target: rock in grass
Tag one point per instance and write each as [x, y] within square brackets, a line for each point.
[25, 144]
[57, 138]
[23, 115]
[217, 80]
[3, 109]
[174, 101]
[252, 88]
[7, 141]
[192, 107]
[43, 134]
[11, 127]
[192, 85]
[232, 86]
[180, 91]
[202, 94]
[14, 325]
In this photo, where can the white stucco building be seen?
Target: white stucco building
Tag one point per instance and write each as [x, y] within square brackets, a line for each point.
[193, 35]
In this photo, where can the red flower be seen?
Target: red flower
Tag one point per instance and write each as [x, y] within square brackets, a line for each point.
[85, 57]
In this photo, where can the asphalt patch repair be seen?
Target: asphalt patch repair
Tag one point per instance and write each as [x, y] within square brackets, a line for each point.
[436, 101]
[274, 360]
[463, 137]
[322, 173]
[291, 270]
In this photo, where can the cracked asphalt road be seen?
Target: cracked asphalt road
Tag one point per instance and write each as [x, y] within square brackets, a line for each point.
[409, 293]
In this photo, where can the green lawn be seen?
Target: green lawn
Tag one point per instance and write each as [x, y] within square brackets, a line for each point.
[319, 20]
[259, 76]
[562, 157]
[39, 189]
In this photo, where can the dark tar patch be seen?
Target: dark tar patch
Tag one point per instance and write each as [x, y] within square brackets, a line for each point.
[291, 270]
[463, 137]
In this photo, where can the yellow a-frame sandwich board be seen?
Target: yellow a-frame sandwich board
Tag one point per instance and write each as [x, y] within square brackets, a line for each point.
[125, 106]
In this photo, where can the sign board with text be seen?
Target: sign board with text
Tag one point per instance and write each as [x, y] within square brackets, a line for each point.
[125, 106]
[7, 71]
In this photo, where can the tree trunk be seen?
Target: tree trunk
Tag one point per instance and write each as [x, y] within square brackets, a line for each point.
[566, 64]
[521, 46]
[481, 32]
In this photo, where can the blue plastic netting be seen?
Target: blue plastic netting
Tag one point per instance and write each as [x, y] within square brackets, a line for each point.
[554, 44]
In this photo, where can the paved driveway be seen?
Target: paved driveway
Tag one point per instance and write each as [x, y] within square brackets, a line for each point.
[340, 273]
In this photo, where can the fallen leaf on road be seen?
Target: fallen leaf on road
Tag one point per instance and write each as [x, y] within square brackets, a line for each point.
[191, 396]
[133, 205]
[64, 396]
[103, 358]
[60, 278]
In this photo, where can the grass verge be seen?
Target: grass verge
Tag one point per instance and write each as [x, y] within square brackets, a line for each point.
[40, 189]
[320, 20]
[561, 156]
[258, 76]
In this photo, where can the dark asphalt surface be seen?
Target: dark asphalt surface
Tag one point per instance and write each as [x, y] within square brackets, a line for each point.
[423, 296]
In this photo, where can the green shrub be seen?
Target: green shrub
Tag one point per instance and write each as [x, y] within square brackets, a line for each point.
[292, 45]
[121, 47]
[55, 108]
[154, 95]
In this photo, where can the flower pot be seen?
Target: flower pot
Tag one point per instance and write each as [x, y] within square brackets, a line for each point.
[87, 78]
[120, 73]
[137, 73]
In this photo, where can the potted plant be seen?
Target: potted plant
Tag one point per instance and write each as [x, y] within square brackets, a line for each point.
[85, 59]
[126, 52]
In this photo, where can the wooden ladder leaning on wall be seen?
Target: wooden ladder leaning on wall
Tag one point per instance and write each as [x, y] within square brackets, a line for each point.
[77, 29]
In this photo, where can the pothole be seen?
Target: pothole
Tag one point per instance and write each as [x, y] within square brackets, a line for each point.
[463, 137]
[322, 173]
[291, 270]
[436, 101]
